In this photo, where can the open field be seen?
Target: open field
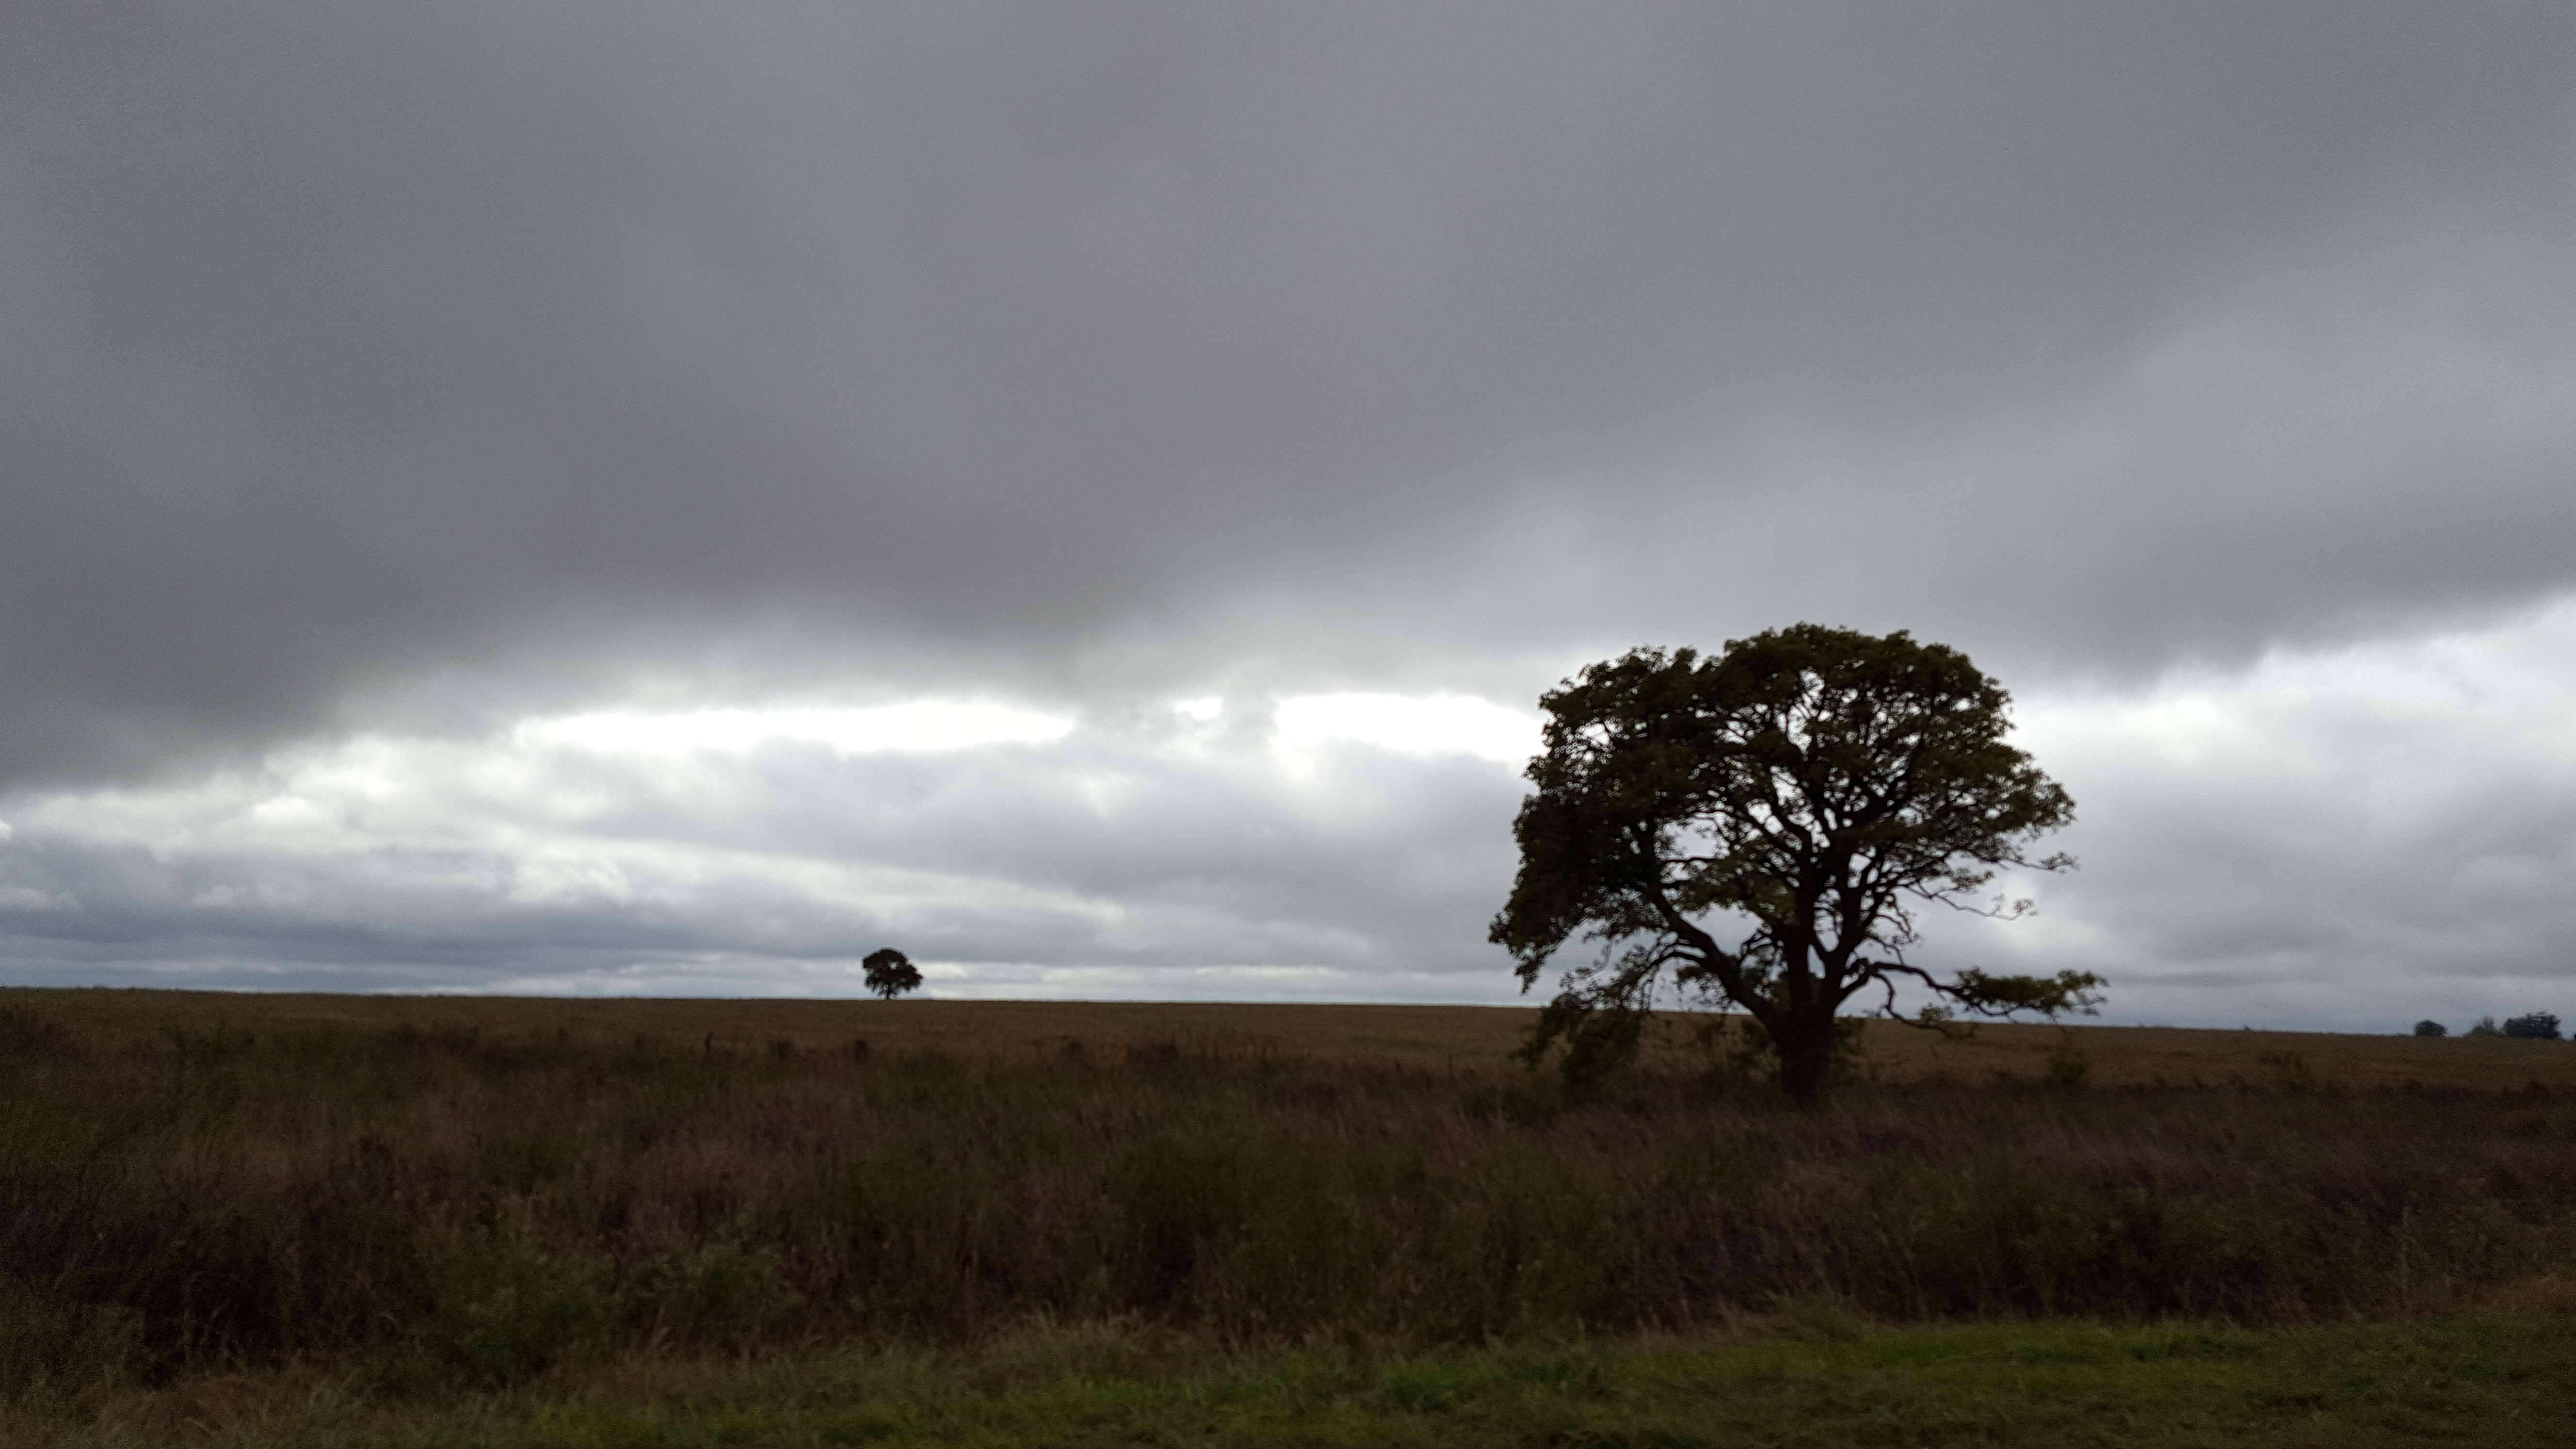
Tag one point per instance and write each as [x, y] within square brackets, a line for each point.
[433, 1208]
[1462, 1037]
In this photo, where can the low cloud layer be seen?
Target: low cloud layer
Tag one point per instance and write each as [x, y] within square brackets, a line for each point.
[2359, 837]
[401, 401]
[2304, 843]
[1137, 854]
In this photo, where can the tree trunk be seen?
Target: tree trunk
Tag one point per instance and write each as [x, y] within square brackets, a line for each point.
[1806, 1048]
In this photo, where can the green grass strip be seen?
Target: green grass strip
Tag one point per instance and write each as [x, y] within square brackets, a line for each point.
[2487, 1382]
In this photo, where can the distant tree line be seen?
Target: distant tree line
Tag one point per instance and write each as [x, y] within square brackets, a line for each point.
[2531, 1026]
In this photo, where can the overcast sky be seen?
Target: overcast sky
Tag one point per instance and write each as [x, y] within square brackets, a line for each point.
[669, 498]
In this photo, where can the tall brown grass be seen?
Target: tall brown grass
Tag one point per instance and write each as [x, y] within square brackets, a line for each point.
[481, 1200]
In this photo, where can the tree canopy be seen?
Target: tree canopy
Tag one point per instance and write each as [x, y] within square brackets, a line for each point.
[1760, 829]
[890, 973]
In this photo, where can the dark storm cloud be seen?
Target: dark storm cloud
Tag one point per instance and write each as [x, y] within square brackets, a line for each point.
[441, 363]
[380, 386]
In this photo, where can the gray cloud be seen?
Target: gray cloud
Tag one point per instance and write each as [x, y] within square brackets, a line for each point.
[375, 380]
[2349, 838]
[1138, 850]
[450, 360]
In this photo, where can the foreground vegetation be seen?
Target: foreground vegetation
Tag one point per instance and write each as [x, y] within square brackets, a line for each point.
[1813, 1376]
[399, 1212]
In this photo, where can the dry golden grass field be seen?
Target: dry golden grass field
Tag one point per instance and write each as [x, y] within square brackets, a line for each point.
[1464, 1038]
[318, 1218]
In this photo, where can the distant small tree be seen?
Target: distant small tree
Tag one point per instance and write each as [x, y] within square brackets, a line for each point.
[2532, 1026]
[2486, 1027]
[889, 974]
[2431, 1028]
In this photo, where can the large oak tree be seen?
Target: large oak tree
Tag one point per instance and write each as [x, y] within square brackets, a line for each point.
[1761, 829]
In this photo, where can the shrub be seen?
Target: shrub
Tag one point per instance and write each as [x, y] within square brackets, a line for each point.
[544, 1306]
[1311, 1248]
[2020, 1244]
[46, 1344]
[720, 1293]
[1521, 1106]
[2431, 1028]
[2532, 1026]
[205, 1282]
[1183, 1196]
[2290, 1071]
[1533, 1249]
